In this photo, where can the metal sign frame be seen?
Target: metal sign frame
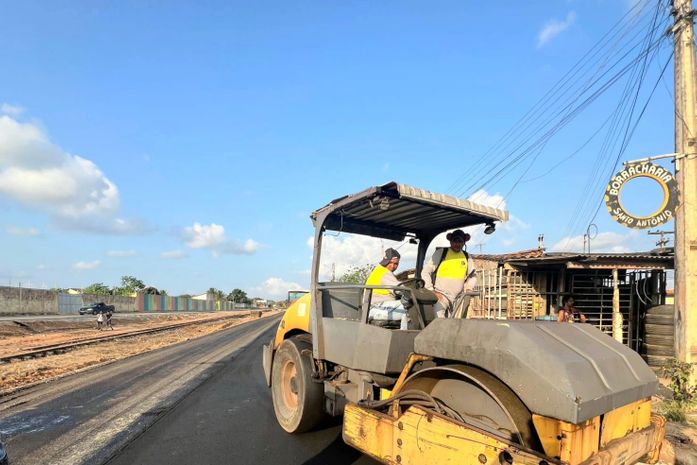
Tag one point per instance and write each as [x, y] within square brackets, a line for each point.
[642, 169]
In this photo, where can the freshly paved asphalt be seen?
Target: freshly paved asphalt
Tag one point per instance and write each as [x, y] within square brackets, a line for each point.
[229, 419]
[202, 402]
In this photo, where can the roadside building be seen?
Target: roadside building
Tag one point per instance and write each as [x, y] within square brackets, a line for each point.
[613, 290]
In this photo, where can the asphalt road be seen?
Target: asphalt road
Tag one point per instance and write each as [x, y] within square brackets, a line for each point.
[202, 402]
[229, 419]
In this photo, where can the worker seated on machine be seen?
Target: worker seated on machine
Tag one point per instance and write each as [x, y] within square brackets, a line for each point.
[386, 308]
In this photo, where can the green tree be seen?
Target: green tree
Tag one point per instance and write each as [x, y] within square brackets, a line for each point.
[129, 286]
[356, 274]
[152, 290]
[216, 293]
[132, 283]
[238, 295]
[97, 289]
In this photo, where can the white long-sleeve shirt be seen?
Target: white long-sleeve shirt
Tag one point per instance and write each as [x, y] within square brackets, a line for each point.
[448, 286]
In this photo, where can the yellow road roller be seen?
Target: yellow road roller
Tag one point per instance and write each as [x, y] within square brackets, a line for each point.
[451, 390]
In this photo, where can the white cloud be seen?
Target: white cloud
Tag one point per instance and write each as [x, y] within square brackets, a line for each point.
[236, 247]
[554, 27]
[513, 224]
[276, 288]
[40, 175]
[348, 250]
[482, 197]
[17, 231]
[604, 242]
[12, 110]
[122, 253]
[86, 265]
[42, 267]
[212, 237]
[507, 231]
[201, 236]
[173, 255]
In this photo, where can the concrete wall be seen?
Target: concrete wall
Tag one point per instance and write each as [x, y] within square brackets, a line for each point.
[20, 301]
[15, 300]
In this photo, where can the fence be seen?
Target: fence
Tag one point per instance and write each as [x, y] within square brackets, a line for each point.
[514, 294]
[18, 300]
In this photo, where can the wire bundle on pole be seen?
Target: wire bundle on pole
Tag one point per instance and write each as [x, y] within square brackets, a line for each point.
[626, 52]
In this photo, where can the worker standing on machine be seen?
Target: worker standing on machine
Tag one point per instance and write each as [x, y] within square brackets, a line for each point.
[448, 273]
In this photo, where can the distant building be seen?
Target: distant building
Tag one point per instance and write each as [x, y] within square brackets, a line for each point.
[260, 303]
[531, 283]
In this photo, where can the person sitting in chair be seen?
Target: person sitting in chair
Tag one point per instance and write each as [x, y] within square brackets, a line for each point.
[568, 313]
[385, 307]
[383, 274]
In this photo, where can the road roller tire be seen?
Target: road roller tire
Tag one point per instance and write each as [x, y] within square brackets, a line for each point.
[660, 330]
[297, 401]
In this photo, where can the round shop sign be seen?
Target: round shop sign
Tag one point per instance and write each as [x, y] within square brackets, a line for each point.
[662, 176]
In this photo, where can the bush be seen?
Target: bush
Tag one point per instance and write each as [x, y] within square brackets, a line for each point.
[675, 411]
[684, 394]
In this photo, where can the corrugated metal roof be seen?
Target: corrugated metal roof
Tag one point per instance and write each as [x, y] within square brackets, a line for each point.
[539, 255]
[448, 201]
[394, 210]
[522, 254]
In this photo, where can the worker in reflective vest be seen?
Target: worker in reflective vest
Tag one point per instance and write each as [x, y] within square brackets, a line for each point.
[383, 274]
[449, 273]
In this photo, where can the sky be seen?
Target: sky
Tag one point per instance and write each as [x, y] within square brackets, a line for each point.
[187, 143]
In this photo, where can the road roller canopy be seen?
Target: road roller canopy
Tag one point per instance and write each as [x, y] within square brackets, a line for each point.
[394, 211]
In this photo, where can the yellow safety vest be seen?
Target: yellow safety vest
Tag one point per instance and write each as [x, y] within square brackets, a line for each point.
[375, 279]
[453, 266]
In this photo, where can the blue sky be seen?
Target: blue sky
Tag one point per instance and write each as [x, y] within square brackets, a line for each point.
[186, 143]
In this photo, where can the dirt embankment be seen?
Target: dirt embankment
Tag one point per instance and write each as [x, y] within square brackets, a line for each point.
[17, 337]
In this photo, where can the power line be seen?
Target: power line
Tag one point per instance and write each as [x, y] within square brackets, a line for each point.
[531, 144]
[622, 118]
[569, 77]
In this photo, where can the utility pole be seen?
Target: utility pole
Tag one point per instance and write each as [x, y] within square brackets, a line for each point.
[663, 241]
[686, 176]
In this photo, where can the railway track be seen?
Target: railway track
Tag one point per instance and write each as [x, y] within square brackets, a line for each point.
[42, 351]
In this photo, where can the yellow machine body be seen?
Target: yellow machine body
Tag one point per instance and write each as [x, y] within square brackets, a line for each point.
[296, 319]
[412, 434]
[421, 436]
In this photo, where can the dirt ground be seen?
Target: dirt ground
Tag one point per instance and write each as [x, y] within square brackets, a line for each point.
[19, 337]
